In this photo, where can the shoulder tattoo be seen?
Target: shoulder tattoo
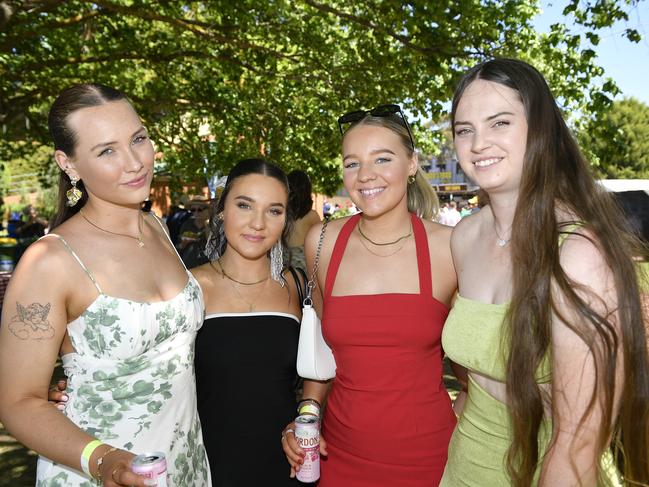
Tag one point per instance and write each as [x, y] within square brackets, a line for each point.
[31, 322]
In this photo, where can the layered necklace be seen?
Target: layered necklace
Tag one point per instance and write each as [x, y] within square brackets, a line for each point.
[140, 242]
[382, 244]
[232, 281]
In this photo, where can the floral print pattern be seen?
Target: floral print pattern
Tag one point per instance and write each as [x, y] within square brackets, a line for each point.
[131, 383]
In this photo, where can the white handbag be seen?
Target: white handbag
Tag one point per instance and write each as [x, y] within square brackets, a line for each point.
[315, 360]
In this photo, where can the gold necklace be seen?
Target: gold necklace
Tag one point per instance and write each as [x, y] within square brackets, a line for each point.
[380, 255]
[140, 242]
[251, 304]
[360, 230]
[233, 279]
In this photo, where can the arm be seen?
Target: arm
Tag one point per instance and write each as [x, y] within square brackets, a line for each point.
[574, 455]
[311, 389]
[33, 326]
[462, 377]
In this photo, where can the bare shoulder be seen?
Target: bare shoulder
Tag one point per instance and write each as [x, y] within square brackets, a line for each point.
[330, 235]
[466, 231]
[437, 232]
[46, 258]
[468, 226]
[583, 261]
[203, 274]
[38, 289]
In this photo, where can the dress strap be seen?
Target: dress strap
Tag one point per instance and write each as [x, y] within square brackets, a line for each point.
[164, 230]
[339, 250]
[74, 254]
[569, 229]
[423, 256]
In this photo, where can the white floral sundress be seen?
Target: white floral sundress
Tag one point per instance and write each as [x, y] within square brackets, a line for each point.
[131, 383]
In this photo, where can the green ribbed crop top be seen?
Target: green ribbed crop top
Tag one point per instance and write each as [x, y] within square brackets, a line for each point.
[473, 331]
[472, 334]
[472, 337]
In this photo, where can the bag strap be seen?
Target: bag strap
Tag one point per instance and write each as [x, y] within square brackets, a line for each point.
[297, 272]
[305, 279]
[310, 286]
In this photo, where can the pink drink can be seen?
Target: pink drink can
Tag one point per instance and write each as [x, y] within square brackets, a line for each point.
[307, 434]
[153, 466]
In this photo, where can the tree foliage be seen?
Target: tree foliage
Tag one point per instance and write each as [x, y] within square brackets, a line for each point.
[618, 140]
[220, 80]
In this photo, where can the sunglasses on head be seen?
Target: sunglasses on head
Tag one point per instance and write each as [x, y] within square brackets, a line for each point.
[197, 209]
[380, 111]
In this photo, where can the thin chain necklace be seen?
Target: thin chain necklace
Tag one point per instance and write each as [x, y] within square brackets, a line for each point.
[379, 244]
[381, 255]
[251, 304]
[140, 242]
[499, 240]
[233, 279]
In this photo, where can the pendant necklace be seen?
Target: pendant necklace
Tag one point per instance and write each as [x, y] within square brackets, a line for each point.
[251, 304]
[499, 240]
[140, 242]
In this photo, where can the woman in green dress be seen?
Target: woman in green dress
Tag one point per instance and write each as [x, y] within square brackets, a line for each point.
[548, 320]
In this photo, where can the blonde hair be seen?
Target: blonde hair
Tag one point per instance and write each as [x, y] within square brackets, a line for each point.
[422, 199]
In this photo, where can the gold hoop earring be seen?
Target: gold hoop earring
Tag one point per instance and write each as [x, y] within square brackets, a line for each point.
[73, 194]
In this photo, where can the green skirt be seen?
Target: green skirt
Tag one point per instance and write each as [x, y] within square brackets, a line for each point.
[478, 448]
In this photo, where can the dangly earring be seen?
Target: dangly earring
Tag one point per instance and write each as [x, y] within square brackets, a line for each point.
[277, 263]
[216, 239]
[73, 194]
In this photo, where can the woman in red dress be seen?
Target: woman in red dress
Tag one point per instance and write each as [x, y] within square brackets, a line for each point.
[388, 279]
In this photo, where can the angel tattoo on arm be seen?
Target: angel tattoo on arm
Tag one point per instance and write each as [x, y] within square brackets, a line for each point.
[31, 322]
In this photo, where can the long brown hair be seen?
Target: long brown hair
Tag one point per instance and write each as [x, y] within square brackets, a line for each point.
[555, 173]
[422, 199]
[69, 101]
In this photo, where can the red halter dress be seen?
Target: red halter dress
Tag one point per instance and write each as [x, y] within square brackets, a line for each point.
[388, 419]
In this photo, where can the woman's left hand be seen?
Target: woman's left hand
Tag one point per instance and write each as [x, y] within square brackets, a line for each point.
[57, 395]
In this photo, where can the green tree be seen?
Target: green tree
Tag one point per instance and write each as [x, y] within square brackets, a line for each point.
[618, 140]
[271, 76]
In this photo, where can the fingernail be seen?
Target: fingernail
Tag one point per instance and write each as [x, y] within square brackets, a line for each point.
[60, 407]
[64, 397]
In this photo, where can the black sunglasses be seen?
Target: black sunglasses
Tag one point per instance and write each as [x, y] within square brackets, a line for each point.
[380, 111]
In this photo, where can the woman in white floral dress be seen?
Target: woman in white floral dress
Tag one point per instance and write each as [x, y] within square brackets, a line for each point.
[108, 292]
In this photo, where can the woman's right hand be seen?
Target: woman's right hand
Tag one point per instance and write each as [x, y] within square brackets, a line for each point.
[116, 470]
[295, 454]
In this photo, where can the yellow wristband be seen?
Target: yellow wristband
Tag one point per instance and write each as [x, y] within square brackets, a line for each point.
[309, 408]
[87, 453]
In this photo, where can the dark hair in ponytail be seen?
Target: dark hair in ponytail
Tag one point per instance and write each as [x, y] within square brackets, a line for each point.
[74, 98]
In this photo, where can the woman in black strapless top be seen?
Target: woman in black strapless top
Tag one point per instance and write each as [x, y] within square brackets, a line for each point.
[245, 374]
[247, 348]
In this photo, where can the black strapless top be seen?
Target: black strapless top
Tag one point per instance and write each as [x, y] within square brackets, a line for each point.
[245, 381]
